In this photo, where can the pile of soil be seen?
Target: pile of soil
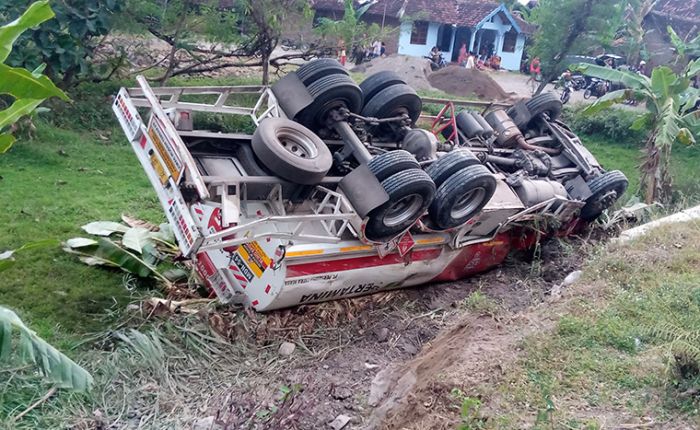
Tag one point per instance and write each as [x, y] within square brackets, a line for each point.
[463, 82]
[413, 70]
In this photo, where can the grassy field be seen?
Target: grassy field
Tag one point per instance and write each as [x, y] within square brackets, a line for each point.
[50, 187]
[624, 346]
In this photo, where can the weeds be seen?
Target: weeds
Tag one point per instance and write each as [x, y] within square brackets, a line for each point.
[469, 413]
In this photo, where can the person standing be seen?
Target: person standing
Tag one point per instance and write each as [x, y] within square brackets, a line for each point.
[462, 59]
[376, 49]
[342, 55]
[470, 61]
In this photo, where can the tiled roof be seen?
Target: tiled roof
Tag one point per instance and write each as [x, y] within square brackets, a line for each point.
[379, 7]
[466, 13]
[525, 26]
[685, 9]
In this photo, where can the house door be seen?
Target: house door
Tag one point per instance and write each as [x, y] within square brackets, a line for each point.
[463, 35]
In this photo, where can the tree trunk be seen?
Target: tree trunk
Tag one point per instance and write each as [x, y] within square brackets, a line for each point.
[579, 27]
[266, 68]
[651, 174]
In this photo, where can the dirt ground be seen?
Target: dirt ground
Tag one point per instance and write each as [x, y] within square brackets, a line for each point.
[467, 83]
[384, 361]
[413, 70]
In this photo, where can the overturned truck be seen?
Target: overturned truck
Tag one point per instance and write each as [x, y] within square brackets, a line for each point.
[337, 193]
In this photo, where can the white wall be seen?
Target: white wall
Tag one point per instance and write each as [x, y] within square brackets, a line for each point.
[511, 60]
[405, 46]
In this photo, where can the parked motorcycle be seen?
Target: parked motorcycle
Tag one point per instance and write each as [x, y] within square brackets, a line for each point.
[436, 65]
[566, 92]
[597, 88]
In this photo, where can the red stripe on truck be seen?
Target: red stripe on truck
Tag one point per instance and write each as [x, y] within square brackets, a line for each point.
[294, 270]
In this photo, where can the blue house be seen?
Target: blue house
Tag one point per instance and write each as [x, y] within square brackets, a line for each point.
[486, 27]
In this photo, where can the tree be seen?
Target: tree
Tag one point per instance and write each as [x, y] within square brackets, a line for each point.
[29, 89]
[204, 36]
[633, 32]
[671, 116]
[266, 20]
[350, 29]
[68, 43]
[568, 26]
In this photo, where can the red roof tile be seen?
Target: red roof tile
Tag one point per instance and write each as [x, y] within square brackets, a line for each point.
[689, 9]
[466, 13]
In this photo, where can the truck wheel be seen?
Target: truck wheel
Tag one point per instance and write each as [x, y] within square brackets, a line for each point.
[449, 164]
[291, 151]
[410, 194]
[378, 81]
[547, 103]
[606, 189]
[392, 162]
[330, 92]
[462, 196]
[587, 94]
[394, 101]
[317, 69]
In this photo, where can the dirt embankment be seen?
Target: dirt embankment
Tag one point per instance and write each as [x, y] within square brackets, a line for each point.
[467, 83]
[453, 80]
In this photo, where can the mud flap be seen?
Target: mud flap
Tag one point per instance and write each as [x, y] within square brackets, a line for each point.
[291, 95]
[363, 190]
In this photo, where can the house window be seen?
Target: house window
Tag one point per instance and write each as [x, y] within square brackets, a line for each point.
[509, 40]
[419, 33]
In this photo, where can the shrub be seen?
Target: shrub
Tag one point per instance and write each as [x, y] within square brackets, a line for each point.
[612, 124]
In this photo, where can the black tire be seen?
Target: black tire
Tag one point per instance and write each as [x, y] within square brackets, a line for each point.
[377, 82]
[545, 103]
[394, 101]
[291, 151]
[330, 92]
[606, 189]
[391, 163]
[462, 196]
[252, 165]
[587, 94]
[317, 69]
[565, 96]
[449, 164]
[410, 194]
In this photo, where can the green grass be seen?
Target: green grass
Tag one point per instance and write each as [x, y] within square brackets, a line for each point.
[50, 187]
[626, 157]
[605, 354]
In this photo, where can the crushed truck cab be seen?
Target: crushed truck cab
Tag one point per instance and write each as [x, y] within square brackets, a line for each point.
[337, 193]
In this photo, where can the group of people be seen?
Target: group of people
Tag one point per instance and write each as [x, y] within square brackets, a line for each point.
[364, 52]
[471, 60]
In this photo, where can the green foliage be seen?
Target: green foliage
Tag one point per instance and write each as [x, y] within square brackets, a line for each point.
[52, 364]
[572, 26]
[612, 124]
[667, 97]
[27, 89]
[350, 29]
[139, 248]
[469, 407]
[67, 43]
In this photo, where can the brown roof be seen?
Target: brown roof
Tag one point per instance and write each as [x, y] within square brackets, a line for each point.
[681, 9]
[525, 26]
[380, 7]
[466, 13]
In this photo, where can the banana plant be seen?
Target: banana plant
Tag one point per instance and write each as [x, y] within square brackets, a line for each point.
[671, 115]
[28, 89]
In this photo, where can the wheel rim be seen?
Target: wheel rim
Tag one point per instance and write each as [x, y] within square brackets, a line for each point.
[296, 144]
[468, 203]
[403, 210]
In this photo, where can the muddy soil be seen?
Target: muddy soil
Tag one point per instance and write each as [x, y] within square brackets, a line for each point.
[357, 357]
[467, 83]
[413, 70]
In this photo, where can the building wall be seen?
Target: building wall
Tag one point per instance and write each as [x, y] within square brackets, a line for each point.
[509, 60]
[405, 46]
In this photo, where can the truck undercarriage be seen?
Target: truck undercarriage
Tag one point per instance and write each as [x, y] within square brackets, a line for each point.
[338, 193]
